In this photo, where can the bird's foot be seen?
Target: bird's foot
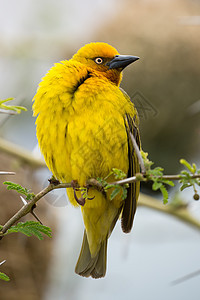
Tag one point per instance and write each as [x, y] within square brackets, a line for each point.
[84, 193]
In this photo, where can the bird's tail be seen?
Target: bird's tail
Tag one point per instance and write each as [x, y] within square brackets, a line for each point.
[92, 266]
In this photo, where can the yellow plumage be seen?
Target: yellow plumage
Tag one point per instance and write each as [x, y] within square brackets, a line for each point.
[83, 124]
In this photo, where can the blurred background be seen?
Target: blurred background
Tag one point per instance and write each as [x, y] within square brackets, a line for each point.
[164, 85]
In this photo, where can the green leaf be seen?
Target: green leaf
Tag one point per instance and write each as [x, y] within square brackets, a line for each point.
[31, 228]
[165, 194]
[192, 169]
[147, 163]
[102, 181]
[119, 174]
[184, 186]
[15, 108]
[124, 193]
[185, 173]
[19, 189]
[115, 192]
[156, 175]
[169, 182]
[109, 186]
[186, 177]
[4, 277]
[156, 185]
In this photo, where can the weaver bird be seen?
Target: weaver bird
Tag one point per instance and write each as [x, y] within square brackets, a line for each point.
[84, 121]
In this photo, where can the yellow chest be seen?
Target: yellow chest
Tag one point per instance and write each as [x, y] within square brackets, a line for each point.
[81, 133]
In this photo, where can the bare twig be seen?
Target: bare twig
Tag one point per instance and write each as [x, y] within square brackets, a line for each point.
[141, 177]
[32, 212]
[126, 180]
[7, 173]
[137, 151]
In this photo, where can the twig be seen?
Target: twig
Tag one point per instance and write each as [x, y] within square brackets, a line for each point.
[141, 177]
[7, 173]
[126, 180]
[27, 208]
[32, 212]
[182, 214]
[137, 151]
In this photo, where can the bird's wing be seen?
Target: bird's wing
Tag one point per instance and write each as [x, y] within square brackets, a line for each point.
[133, 190]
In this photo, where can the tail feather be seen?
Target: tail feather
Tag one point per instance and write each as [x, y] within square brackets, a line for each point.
[92, 266]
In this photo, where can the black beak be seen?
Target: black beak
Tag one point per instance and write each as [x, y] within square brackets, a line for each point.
[121, 61]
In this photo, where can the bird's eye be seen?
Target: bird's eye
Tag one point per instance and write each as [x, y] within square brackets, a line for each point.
[98, 60]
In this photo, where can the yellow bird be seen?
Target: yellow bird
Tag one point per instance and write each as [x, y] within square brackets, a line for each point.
[84, 121]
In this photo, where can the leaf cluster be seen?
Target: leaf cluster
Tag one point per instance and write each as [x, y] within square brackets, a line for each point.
[186, 177]
[19, 189]
[156, 176]
[30, 228]
[117, 188]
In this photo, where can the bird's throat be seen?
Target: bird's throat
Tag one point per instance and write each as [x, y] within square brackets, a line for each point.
[114, 75]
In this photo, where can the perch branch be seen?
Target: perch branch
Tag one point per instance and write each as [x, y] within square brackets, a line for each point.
[147, 201]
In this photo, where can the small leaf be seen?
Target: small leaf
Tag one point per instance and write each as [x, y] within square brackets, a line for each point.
[184, 186]
[6, 100]
[194, 167]
[119, 174]
[4, 277]
[102, 181]
[156, 185]
[15, 108]
[187, 165]
[30, 228]
[185, 173]
[21, 190]
[115, 192]
[108, 186]
[169, 182]
[147, 163]
[165, 194]
[197, 182]
[124, 193]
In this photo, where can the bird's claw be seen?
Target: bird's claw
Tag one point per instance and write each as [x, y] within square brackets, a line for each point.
[81, 200]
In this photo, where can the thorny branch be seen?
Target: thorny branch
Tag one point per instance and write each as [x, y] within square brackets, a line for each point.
[28, 207]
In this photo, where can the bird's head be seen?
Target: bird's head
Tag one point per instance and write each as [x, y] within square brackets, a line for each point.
[103, 58]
